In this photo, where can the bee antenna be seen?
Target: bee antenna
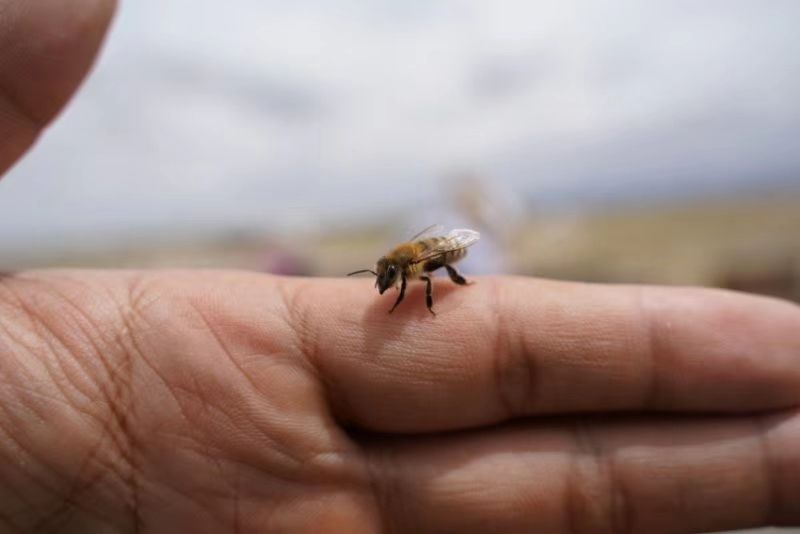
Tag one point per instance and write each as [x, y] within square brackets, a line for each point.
[363, 271]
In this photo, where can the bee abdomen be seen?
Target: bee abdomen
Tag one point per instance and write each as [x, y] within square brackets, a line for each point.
[446, 258]
[455, 255]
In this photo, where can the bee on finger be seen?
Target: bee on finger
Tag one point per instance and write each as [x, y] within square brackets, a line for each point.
[419, 257]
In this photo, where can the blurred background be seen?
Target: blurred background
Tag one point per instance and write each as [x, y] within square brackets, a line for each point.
[607, 141]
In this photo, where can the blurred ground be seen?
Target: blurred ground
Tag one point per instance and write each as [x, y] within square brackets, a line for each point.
[745, 243]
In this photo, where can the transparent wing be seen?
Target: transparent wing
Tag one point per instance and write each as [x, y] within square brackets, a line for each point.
[462, 237]
[457, 239]
[432, 230]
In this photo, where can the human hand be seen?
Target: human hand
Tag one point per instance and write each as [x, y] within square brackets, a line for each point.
[214, 401]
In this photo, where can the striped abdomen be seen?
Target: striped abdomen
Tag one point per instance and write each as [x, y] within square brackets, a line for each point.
[441, 253]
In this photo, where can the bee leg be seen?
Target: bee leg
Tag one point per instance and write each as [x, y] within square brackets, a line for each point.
[401, 295]
[428, 293]
[455, 276]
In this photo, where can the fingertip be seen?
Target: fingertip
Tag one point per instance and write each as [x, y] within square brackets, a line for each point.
[744, 348]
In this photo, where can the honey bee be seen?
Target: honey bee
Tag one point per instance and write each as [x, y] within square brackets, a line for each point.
[417, 258]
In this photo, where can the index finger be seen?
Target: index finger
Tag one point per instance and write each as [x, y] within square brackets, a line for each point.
[513, 347]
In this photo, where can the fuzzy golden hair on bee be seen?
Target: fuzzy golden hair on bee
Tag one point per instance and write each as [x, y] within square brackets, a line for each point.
[426, 252]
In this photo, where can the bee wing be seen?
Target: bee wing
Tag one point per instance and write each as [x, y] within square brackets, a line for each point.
[457, 239]
[434, 229]
[462, 238]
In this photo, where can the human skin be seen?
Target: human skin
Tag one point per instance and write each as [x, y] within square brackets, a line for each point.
[195, 401]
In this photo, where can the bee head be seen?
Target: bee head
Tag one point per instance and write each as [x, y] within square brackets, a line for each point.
[388, 272]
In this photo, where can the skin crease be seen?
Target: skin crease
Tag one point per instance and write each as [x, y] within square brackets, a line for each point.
[194, 401]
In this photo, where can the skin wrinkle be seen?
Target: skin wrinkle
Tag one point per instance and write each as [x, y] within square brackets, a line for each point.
[68, 501]
[622, 511]
[212, 458]
[20, 454]
[55, 492]
[135, 309]
[284, 451]
[251, 466]
[132, 314]
[19, 306]
[237, 521]
[300, 319]
[770, 517]
[138, 294]
[220, 519]
[29, 391]
[51, 339]
[310, 462]
[107, 465]
[118, 435]
[296, 312]
[22, 449]
[515, 360]
[297, 462]
[784, 472]
[9, 333]
[112, 373]
[378, 499]
[173, 390]
[382, 485]
[652, 397]
[81, 483]
[123, 332]
[123, 411]
[77, 486]
[192, 499]
[571, 496]
[118, 401]
[587, 448]
[502, 351]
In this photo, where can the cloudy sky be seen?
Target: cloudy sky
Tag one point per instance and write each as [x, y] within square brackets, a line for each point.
[210, 117]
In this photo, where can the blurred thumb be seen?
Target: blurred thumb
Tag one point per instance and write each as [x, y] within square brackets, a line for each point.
[46, 49]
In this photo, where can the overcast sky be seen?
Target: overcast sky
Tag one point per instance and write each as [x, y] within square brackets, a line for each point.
[203, 116]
